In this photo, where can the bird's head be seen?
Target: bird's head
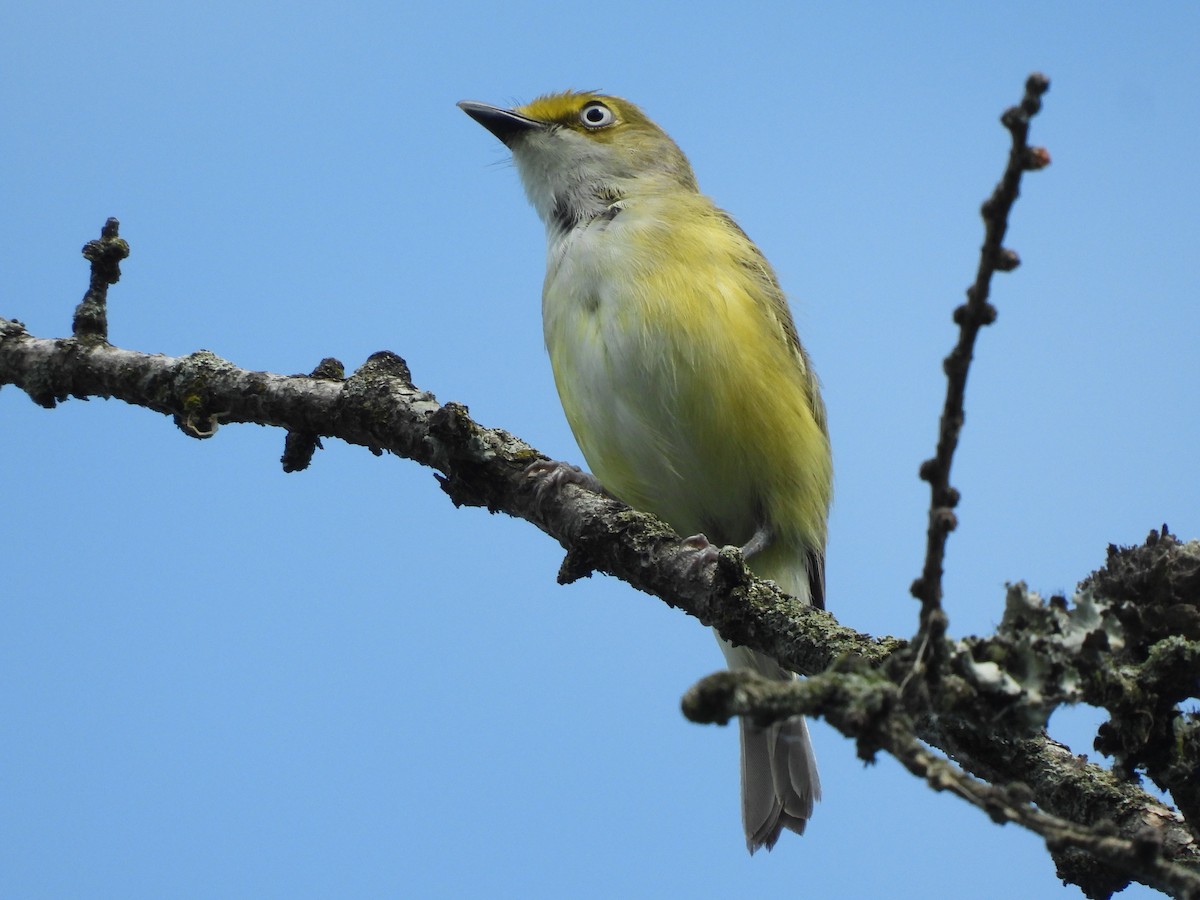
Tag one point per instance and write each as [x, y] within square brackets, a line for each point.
[579, 152]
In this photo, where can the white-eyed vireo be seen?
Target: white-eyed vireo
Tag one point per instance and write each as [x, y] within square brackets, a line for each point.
[681, 374]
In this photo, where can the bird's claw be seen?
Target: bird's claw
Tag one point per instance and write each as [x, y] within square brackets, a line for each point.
[551, 474]
[703, 552]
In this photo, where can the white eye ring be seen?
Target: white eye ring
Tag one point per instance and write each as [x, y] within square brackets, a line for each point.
[596, 115]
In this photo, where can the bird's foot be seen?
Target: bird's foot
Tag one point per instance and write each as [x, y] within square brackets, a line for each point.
[703, 552]
[551, 474]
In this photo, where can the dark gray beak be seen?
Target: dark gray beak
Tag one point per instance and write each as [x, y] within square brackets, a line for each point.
[505, 124]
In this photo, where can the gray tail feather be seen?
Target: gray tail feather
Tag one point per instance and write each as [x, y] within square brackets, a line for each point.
[779, 780]
[779, 771]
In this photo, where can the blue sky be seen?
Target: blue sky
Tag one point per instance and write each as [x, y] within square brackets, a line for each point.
[221, 680]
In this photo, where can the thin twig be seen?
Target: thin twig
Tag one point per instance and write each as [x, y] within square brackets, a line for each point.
[970, 317]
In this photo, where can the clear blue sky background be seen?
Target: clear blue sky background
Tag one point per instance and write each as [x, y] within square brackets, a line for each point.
[220, 680]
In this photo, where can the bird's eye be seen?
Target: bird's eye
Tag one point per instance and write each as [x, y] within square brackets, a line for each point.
[596, 115]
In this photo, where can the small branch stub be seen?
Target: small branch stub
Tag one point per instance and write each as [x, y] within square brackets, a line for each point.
[300, 446]
[105, 255]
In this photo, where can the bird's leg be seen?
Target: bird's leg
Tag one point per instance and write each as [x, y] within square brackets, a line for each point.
[759, 541]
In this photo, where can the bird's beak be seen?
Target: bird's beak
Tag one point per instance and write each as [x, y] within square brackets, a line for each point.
[505, 124]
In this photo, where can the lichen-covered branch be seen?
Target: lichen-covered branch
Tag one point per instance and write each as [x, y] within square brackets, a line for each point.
[378, 407]
[864, 706]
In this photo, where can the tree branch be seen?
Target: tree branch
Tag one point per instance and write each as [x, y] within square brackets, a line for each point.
[869, 708]
[378, 407]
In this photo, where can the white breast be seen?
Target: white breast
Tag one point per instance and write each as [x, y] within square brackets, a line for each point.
[617, 364]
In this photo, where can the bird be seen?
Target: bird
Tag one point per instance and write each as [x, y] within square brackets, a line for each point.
[682, 377]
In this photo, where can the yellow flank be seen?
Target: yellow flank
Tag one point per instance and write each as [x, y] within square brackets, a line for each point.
[681, 381]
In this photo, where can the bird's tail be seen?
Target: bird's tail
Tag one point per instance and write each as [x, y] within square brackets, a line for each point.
[779, 771]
